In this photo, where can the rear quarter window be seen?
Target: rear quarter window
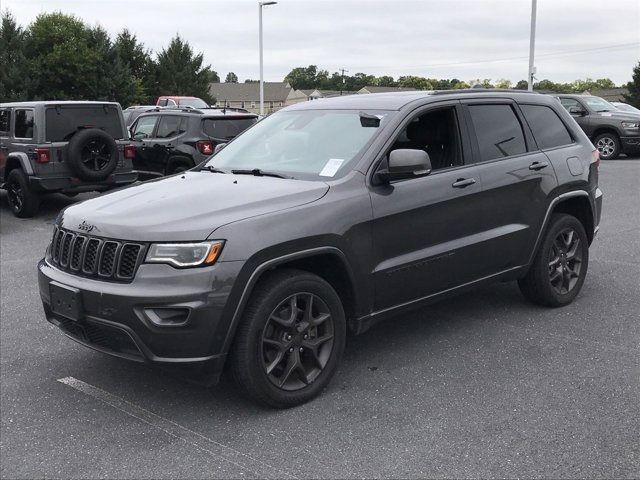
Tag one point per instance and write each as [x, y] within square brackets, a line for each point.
[62, 122]
[548, 130]
[5, 121]
[23, 124]
[226, 128]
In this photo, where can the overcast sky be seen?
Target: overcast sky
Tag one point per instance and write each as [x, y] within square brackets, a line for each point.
[465, 39]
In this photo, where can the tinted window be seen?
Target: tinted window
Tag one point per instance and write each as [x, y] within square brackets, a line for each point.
[24, 124]
[547, 127]
[63, 121]
[570, 103]
[5, 120]
[144, 127]
[226, 128]
[170, 126]
[498, 131]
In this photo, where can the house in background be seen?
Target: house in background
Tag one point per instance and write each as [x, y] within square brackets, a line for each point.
[247, 95]
[610, 94]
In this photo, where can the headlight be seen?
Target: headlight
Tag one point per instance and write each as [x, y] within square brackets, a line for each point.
[185, 254]
[630, 125]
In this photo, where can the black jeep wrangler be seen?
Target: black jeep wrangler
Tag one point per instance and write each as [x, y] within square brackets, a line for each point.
[67, 147]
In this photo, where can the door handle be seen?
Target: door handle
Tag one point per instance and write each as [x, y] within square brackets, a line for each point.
[538, 165]
[463, 182]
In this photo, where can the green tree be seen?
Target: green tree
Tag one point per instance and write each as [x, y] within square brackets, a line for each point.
[411, 81]
[61, 62]
[179, 71]
[521, 85]
[302, 77]
[504, 83]
[386, 81]
[13, 76]
[249, 80]
[633, 97]
[231, 78]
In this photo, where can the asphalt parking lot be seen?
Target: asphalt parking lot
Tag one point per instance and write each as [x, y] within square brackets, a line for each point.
[484, 385]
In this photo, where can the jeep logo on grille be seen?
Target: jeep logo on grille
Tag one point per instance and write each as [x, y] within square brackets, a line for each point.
[87, 227]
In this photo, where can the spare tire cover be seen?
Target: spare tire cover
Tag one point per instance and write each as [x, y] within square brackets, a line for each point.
[92, 154]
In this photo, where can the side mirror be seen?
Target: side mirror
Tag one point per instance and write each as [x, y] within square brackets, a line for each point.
[405, 163]
[219, 147]
[577, 111]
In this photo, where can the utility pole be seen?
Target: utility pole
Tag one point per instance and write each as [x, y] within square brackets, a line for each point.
[342, 83]
[532, 45]
[260, 5]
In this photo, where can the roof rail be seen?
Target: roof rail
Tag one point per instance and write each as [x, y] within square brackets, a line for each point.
[481, 90]
[185, 109]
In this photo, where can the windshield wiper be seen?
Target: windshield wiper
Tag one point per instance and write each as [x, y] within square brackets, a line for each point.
[212, 169]
[260, 173]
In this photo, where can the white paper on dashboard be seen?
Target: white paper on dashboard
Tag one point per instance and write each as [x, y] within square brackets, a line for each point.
[331, 167]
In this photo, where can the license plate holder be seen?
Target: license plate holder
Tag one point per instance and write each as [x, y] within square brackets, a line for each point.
[65, 301]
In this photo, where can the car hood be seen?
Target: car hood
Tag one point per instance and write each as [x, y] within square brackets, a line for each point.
[620, 115]
[186, 207]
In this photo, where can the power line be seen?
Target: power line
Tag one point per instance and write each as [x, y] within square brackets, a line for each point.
[509, 59]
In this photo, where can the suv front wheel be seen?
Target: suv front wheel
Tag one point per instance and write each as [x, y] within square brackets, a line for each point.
[290, 341]
[23, 202]
[560, 266]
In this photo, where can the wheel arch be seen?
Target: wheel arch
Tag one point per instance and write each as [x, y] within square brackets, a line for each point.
[178, 159]
[17, 160]
[329, 263]
[605, 129]
[574, 203]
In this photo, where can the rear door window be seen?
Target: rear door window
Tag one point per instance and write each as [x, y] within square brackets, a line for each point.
[63, 121]
[498, 131]
[23, 124]
[547, 128]
[5, 122]
[144, 127]
[171, 126]
[226, 128]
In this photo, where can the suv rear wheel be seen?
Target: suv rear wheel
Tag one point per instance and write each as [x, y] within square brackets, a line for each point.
[608, 144]
[560, 266]
[290, 341]
[23, 202]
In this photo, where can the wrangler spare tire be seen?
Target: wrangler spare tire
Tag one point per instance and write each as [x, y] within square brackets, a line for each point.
[92, 154]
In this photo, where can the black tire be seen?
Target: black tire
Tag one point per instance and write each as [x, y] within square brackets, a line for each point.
[253, 352]
[92, 154]
[608, 144]
[22, 200]
[178, 165]
[560, 265]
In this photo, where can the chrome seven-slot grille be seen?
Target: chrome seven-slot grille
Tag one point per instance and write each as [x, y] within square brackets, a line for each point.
[95, 257]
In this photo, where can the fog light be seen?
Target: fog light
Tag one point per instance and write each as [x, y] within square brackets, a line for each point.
[167, 317]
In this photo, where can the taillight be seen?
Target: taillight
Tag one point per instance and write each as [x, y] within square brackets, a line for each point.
[205, 147]
[130, 151]
[42, 155]
[595, 158]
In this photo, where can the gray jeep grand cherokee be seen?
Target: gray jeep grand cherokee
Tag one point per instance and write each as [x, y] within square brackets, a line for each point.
[327, 216]
[67, 147]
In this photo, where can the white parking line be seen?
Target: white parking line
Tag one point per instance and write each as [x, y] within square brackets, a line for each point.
[211, 447]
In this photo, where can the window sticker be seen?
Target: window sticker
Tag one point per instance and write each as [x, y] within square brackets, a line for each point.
[331, 167]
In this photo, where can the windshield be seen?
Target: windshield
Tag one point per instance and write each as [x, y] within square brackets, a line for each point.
[63, 121]
[226, 128]
[192, 102]
[626, 108]
[309, 144]
[600, 104]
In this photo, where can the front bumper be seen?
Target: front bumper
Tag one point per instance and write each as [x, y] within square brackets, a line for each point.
[76, 185]
[118, 318]
[630, 144]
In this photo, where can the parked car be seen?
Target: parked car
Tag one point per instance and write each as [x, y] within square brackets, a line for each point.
[612, 131]
[327, 215]
[67, 147]
[173, 140]
[625, 107]
[175, 101]
[131, 113]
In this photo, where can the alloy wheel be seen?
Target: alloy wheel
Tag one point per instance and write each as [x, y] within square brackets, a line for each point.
[15, 195]
[565, 261]
[297, 341]
[96, 155]
[606, 146]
